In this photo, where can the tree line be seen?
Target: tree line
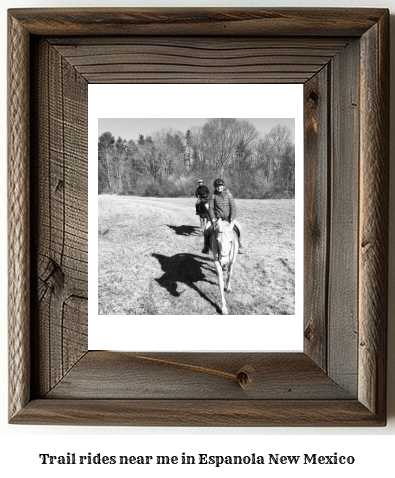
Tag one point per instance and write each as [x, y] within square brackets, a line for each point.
[168, 163]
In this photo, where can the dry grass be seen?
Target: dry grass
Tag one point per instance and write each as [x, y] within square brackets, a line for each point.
[150, 260]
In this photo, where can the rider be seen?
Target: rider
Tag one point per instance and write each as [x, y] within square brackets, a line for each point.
[202, 192]
[221, 206]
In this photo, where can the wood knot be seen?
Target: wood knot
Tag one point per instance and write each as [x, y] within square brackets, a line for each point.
[53, 276]
[309, 331]
[244, 376]
[59, 185]
[313, 96]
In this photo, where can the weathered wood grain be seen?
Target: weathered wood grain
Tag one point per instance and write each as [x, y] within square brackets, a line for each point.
[61, 201]
[202, 413]
[18, 216]
[328, 22]
[164, 59]
[284, 376]
[344, 191]
[316, 213]
[373, 227]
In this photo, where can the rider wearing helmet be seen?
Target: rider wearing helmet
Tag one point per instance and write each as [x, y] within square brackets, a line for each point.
[202, 193]
[221, 206]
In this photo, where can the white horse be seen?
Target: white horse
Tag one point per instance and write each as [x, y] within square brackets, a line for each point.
[224, 245]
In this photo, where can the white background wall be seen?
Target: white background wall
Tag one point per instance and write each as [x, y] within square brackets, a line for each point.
[20, 445]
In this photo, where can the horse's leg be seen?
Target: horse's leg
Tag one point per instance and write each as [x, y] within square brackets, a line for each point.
[218, 268]
[220, 274]
[203, 223]
[232, 262]
[228, 287]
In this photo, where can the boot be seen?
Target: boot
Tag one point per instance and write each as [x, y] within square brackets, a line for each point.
[206, 248]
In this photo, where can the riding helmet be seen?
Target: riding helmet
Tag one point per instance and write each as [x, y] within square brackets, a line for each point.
[218, 182]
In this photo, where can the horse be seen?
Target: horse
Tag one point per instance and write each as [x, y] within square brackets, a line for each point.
[224, 245]
[202, 210]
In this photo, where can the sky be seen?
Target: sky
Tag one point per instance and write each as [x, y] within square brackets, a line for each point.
[130, 128]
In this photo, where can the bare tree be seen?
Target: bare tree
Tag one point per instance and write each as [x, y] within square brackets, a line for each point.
[105, 150]
[169, 161]
[220, 137]
[271, 149]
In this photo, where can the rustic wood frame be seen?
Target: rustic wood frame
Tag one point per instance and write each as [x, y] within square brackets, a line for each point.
[342, 57]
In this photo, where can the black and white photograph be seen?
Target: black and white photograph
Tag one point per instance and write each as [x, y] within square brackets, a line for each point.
[196, 215]
[162, 190]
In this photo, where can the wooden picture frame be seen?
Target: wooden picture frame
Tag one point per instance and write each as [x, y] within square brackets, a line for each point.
[342, 58]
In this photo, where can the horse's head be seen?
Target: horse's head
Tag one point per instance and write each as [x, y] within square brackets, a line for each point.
[202, 208]
[225, 237]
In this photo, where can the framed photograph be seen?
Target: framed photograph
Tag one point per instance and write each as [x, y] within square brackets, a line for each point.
[335, 375]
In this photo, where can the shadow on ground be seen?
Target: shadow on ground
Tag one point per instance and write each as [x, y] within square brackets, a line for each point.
[186, 269]
[185, 230]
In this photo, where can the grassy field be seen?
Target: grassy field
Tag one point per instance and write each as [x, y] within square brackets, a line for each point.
[150, 260]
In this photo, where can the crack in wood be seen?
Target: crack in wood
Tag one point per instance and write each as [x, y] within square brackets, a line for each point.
[243, 376]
